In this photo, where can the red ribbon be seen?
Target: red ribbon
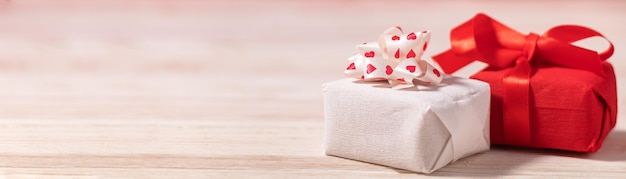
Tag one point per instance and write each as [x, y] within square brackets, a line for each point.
[484, 39]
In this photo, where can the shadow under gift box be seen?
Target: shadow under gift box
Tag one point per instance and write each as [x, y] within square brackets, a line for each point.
[419, 130]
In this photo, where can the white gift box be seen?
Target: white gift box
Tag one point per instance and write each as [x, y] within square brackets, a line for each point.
[418, 129]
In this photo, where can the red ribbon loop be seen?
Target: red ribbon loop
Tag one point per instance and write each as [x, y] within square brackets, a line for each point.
[484, 39]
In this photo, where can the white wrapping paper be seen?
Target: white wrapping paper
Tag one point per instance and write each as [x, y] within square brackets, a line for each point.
[418, 129]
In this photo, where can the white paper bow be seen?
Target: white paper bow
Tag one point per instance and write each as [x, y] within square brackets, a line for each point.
[396, 58]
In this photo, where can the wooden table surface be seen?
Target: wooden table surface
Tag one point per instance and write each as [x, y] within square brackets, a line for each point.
[232, 89]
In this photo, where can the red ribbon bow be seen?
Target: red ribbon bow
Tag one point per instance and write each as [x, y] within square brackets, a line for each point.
[484, 39]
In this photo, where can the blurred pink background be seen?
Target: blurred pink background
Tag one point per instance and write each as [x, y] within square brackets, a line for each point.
[271, 46]
[196, 36]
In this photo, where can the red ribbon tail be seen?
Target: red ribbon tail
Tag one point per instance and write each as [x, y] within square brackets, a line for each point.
[450, 62]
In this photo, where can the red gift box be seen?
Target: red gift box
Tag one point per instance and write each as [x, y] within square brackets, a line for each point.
[545, 92]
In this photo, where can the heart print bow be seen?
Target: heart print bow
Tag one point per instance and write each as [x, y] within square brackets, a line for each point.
[395, 58]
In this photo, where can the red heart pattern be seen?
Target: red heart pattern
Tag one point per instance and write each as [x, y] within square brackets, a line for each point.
[411, 54]
[369, 53]
[397, 55]
[411, 68]
[389, 70]
[351, 67]
[370, 68]
[411, 36]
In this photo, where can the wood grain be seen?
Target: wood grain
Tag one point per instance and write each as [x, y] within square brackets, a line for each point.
[232, 89]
